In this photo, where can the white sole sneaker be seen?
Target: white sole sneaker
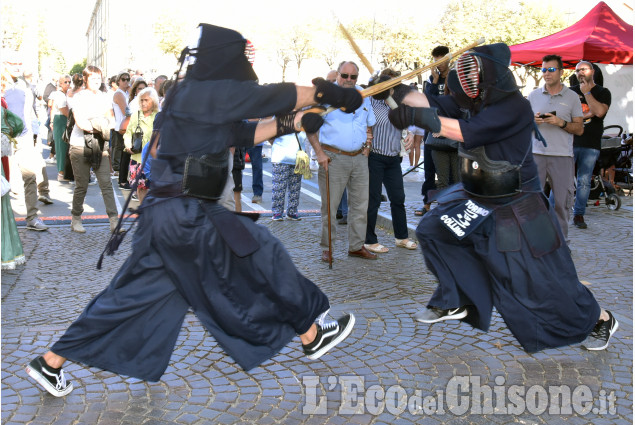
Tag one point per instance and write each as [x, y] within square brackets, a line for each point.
[35, 374]
[430, 316]
[339, 338]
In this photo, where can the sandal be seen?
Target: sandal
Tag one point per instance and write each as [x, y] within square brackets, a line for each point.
[377, 248]
[405, 243]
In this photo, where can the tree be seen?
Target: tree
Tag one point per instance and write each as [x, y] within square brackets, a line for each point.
[169, 31]
[403, 50]
[300, 44]
[78, 67]
[510, 22]
[284, 58]
[14, 21]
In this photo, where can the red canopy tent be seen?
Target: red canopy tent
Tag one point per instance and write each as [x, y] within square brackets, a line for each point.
[599, 37]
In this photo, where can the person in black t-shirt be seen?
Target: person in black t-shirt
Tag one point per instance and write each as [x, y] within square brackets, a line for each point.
[586, 148]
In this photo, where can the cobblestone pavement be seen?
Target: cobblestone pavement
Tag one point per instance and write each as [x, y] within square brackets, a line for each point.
[387, 351]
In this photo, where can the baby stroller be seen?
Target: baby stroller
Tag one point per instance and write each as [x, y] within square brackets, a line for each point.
[612, 154]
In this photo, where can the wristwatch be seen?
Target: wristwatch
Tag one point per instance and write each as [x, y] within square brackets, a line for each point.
[563, 126]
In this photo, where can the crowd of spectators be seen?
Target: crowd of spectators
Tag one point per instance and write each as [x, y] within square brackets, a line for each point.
[364, 151]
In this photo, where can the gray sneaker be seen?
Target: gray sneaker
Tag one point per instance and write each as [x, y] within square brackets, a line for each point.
[434, 315]
[599, 337]
[256, 199]
[45, 199]
[36, 224]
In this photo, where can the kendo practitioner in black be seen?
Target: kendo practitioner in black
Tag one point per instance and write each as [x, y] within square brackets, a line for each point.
[189, 251]
[494, 240]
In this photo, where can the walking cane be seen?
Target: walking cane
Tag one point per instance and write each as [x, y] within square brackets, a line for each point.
[328, 212]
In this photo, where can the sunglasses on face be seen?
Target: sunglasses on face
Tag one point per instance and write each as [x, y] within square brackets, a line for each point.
[550, 69]
[346, 76]
[582, 70]
[125, 79]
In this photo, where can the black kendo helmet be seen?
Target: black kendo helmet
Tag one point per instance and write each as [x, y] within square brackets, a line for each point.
[481, 76]
[219, 54]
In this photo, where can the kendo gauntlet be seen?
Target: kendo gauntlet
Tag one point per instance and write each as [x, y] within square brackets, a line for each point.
[426, 118]
[347, 99]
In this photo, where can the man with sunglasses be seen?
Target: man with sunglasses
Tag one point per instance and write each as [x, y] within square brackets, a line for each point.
[586, 146]
[122, 117]
[346, 139]
[558, 114]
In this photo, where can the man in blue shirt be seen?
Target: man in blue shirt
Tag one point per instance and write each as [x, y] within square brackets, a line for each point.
[346, 139]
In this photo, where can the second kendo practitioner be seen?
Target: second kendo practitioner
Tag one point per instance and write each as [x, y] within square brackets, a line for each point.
[189, 251]
[494, 240]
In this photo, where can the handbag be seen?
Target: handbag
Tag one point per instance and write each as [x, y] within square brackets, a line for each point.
[137, 137]
[302, 162]
[12, 125]
[441, 143]
[70, 124]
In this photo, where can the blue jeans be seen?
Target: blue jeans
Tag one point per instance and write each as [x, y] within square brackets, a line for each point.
[343, 206]
[255, 155]
[585, 159]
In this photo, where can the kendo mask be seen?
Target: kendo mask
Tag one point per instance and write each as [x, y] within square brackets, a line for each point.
[218, 54]
[481, 76]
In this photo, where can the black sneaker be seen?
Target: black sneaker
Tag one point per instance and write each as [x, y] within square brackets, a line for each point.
[578, 221]
[53, 380]
[434, 315]
[599, 337]
[327, 338]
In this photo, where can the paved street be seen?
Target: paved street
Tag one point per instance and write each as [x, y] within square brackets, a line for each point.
[421, 371]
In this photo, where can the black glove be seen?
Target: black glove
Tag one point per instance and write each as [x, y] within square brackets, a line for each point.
[336, 96]
[311, 122]
[405, 116]
[384, 94]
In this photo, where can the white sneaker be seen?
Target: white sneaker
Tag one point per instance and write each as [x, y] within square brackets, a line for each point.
[76, 225]
[36, 224]
[113, 224]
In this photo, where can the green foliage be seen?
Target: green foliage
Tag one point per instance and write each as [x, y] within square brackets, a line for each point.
[78, 67]
[511, 22]
[13, 19]
[170, 34]
[300, 45]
